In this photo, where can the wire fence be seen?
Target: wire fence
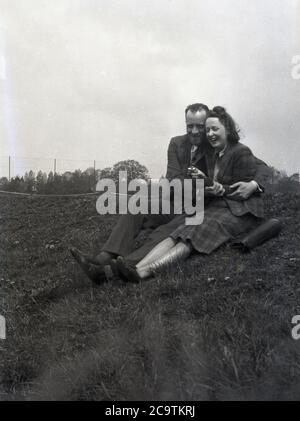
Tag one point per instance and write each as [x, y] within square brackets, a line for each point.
[33, 195]
[13, 166]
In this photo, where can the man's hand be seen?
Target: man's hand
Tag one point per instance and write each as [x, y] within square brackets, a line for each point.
[196, 173]
[243, 190]
[215, 190]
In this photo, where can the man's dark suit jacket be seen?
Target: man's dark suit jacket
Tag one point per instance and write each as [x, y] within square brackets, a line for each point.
[179, 154]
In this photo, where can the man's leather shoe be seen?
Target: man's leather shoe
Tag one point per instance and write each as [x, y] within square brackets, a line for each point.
[103, 258]
[94, 272]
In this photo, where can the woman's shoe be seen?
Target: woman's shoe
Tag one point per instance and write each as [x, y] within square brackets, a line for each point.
[128, 271]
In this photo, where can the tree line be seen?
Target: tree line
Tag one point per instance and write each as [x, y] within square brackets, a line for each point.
[77, 181]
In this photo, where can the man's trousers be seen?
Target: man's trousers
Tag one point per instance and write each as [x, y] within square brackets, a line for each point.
[122, 239]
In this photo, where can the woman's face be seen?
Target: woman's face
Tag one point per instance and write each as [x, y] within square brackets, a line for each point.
[216, 133]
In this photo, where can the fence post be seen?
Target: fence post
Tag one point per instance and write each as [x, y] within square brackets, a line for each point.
[2, 327]
[9, 158]
[54, 166]
[94, 175]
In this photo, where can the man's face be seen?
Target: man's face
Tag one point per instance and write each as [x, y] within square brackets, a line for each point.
[195, 126]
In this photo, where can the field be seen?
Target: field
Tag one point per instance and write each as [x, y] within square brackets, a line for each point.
[212, 328]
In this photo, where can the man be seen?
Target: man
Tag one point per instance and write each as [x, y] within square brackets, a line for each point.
[183, 152]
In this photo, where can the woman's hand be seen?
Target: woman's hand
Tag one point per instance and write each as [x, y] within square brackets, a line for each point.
[216, 190]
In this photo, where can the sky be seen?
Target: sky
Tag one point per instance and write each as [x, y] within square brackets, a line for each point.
[108, 80]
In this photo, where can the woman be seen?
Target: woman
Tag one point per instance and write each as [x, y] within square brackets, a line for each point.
[224, 218]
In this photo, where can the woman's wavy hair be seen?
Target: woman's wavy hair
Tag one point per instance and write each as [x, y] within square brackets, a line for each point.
[227, 121]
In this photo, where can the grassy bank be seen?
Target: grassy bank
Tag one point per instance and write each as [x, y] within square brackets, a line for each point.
[214, 328]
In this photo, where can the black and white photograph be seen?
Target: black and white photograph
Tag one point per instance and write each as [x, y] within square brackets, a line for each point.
[149, 203]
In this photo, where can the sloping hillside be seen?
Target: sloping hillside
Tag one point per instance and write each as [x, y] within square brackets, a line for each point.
[215, 327]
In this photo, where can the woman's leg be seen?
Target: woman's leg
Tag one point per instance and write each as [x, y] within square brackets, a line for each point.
[159, 250]
[177, 253]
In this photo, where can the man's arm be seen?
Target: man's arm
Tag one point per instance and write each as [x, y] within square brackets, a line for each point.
[243, 190]
[262, 174]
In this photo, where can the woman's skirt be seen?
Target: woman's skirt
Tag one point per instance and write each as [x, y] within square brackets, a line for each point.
[218, 227]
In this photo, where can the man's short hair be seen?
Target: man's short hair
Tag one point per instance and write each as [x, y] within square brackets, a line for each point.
[196, 107]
